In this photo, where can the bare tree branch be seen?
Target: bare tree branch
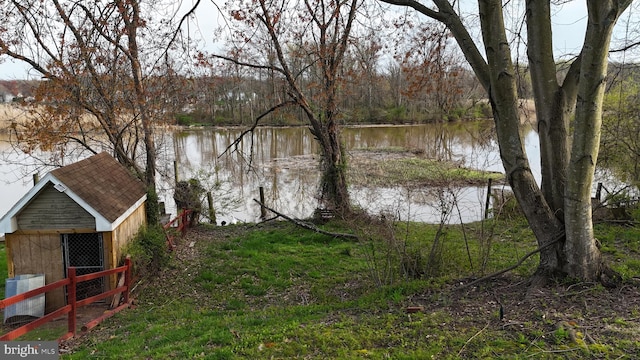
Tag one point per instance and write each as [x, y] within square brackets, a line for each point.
[242, 63]
[237, 141]
[497, 273]
[416, 6]
[626, 47]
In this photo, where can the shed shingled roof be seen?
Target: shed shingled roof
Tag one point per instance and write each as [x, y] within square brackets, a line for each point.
[105, 184]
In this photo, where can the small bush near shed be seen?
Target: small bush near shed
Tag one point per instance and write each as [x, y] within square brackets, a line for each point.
[148, 251]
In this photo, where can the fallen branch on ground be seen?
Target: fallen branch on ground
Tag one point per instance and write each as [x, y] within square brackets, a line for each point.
[491, 276]
[309, 226]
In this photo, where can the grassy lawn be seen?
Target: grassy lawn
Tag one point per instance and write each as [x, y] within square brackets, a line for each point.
[276, 291]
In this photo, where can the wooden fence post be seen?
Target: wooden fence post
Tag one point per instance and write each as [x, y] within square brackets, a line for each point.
[263, 211]
[71, 298]
[185, 222]
[599, 192]
[486, 205]
[127, 278]
[212, 211]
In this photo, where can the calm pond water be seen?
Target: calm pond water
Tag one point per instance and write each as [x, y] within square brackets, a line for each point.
[284, 162]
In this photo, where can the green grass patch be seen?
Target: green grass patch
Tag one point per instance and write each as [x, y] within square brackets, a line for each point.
[622, 245]
[276, 291]
[297, 261]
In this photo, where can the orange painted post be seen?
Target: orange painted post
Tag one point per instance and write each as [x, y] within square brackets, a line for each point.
[71, 299]
[184, 222]
[127, 279]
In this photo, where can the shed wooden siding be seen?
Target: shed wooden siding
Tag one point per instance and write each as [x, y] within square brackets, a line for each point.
[127, 231]
[37, 253]
[52, 209]
[116, 241]
[40, 252]
[114, 203]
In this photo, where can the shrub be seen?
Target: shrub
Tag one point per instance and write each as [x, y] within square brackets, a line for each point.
[188, 195]
[152, 207]
[397, 114]
[184, 119]
[505, 205]
[148, 251]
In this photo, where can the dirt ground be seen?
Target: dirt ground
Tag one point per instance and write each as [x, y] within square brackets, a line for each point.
[585, 309]
[84, 315]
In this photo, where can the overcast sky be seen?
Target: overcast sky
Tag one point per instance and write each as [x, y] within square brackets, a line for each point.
[568, 32]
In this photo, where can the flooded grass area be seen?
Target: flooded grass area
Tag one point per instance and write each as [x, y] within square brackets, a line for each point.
[402, 167]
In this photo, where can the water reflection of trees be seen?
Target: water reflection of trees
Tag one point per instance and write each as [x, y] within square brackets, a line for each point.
[284, 160]
[464, 142]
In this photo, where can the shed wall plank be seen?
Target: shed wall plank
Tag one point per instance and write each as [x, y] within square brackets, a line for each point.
[51, 209]
[39, 254]
[127, 231]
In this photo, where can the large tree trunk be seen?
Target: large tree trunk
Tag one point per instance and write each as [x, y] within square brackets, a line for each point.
[583, 256]
[560, 213]
[334, 192]
[131, 17]
[554, 108]
[503, 96]
[564, 200]
[332, 34]
[554, 104]
[566, 184]
[334, 188]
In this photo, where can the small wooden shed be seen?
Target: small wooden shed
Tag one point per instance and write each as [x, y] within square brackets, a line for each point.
[80, 215]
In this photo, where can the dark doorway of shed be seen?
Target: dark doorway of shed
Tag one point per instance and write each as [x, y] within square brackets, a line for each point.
[85, 252]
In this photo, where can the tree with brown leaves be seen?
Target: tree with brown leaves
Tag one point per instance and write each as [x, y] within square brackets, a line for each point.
[98, 91]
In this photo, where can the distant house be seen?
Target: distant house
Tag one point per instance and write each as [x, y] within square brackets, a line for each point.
[80, 215]
[14, 90]
[5, 94]
[7, 98]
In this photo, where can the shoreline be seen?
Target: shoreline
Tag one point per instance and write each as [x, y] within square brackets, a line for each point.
[10, 114]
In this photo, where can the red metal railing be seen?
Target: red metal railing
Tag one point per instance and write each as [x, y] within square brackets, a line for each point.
[182, 221]
[73, 304]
